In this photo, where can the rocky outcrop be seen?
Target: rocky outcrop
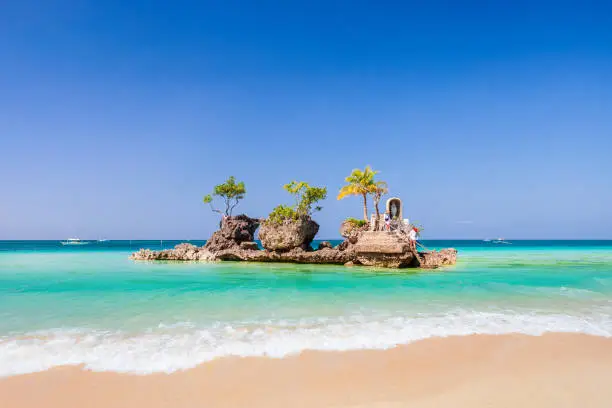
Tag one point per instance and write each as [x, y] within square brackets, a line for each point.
[349, 230]
[233, 232]
[181, 252]
[297, 255]
[351, 233]
[385, 257]
[324, 244]
[290, 242]
[249, 245]
[288, 235]
[435, 259]
[383, 249]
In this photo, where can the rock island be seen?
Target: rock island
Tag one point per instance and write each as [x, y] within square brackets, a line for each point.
[286, 235]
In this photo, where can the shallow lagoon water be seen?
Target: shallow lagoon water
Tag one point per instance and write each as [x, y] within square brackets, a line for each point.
[91, 305]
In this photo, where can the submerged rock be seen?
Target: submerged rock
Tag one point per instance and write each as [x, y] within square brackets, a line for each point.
[288, 235]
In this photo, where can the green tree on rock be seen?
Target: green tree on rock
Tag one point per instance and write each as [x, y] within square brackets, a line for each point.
[306, 196]
[230, 192]
[360, 183]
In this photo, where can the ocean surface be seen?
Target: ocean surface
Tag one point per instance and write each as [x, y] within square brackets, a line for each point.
[90, 305]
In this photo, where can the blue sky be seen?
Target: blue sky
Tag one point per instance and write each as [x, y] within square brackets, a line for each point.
[488, 118]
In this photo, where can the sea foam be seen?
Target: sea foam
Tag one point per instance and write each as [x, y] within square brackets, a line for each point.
[178, 346]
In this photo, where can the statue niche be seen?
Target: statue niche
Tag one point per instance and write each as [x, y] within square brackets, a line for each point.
[394, 207]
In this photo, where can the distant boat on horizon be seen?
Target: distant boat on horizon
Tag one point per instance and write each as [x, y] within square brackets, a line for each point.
[103, 240]
[74, 241]
[500, 241]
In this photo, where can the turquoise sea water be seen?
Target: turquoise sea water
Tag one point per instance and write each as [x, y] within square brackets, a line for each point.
[91, 305]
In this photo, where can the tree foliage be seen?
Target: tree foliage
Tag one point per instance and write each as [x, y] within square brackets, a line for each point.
[281, 213]
[231, 192]
[355, 222]
[359, 183]
[306, 196]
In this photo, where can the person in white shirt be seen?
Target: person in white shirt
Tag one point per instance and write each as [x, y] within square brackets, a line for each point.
[412, 237]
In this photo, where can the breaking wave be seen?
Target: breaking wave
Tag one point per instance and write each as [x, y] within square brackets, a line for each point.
[178, 346]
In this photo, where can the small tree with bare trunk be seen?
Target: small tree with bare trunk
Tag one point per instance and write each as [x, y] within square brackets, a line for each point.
[378, 190]
[231, 192]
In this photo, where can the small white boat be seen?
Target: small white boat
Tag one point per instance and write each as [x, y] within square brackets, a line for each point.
[74, 241]
[103, 240]
[500, 241]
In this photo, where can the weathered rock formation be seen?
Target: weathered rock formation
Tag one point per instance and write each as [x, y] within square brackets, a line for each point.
[351, 234]
[233, 232]
[435, 259]
[291, 243]
[384, 249]
[331, 256]
[297, 255]
[288, 235]
[324, 244]
[181, 252]
[249, 245]
[348, 229]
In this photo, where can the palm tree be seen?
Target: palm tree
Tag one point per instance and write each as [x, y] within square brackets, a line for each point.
[378, 190]
[361, 183]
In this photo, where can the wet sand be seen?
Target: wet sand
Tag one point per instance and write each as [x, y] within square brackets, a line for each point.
[554, 370]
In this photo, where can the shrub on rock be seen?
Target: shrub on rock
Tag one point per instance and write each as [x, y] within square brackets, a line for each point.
[289, 227]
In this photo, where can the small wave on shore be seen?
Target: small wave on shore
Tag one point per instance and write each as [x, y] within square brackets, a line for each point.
[179, 346]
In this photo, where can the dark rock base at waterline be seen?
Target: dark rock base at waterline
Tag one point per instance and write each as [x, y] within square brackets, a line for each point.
[326, 255]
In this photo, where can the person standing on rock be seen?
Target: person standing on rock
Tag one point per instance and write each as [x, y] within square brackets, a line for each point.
[412, 238]
[387, 221]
